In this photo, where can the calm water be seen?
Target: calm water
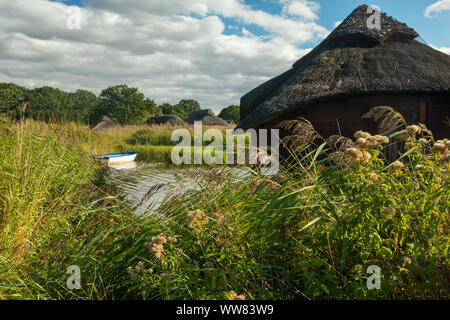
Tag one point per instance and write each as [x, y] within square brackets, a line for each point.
[147, 184]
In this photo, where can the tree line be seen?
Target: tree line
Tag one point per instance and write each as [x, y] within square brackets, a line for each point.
[121, 103]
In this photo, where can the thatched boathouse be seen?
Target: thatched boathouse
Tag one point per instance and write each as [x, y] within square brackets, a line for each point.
[353, 70]
[103, 123]
[167, 119]
[207, 117]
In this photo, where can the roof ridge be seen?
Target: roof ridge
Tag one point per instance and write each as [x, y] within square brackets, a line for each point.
[355, 31]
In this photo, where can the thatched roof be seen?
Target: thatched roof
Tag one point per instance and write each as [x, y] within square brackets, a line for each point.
[103, 123]
[167, 119]
[207, 116]
[352, 60]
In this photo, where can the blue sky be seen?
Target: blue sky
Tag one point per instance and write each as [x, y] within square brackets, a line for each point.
[434, 30]
[213, 51]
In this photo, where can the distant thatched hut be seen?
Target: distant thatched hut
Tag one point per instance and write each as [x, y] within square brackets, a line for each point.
[353, 70]
[207, 116]
[167, 119]
[103, 123]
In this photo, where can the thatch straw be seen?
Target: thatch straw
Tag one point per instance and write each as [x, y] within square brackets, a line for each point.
[352, 60]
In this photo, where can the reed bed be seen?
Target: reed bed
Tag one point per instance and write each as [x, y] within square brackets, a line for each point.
[309, 232]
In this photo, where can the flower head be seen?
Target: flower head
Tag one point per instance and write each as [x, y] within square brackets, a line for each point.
[362, 134]
[196, 220]
[441, 146]
[373, 177]
[413, 130]
[234, 296]
[139, 271]
[366, 157]
[156, 246]
[381, 139]
[361, 142]
[396, 166]
[389, 211]
[407, 260]
[403, 135]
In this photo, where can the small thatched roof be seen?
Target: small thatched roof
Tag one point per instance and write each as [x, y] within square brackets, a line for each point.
[207, 116]
[352, 60]
[167, 119]
[103, 123]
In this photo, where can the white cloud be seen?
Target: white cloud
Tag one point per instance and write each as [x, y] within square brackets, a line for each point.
[437, 7]
[337, 23]
[168, 49]
[301, 8]
[293, 29]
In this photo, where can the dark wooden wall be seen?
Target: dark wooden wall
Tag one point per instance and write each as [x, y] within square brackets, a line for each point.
[344, 115]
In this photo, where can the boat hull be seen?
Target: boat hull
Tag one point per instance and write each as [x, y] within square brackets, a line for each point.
[115, 158]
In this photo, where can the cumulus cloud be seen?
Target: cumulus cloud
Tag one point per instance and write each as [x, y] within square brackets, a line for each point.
[437, 7]
[337, 23]
[302, 8]
[169, 49]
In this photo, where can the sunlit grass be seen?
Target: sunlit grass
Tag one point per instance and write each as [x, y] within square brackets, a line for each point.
[310, 232]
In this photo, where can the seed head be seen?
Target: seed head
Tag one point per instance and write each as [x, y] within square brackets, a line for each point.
[441, 147]
[413, 130]
[362, 134]
[396, 166]
[389, 211]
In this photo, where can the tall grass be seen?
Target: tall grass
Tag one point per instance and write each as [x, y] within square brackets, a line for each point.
[309, 232]
[40, 175]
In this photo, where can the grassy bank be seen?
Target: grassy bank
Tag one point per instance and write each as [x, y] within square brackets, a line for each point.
[152, 143]
[310, 232]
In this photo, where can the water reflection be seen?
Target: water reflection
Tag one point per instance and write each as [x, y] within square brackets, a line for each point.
[138, 178]
[123, 166]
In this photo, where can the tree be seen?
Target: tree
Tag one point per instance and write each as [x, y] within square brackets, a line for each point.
[152, 108]
[189, 105]
[124, 105]
[85, 102]
[50, 103]
[11, 95]
[178, 110]
[231, 113]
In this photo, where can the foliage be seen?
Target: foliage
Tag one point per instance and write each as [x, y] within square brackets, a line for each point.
[10, 97]
[189, 105]
[167, 108]
[231, 113]
[182, 109]
[125, 105]
[310, 232]
[48, 103]
[84, 104]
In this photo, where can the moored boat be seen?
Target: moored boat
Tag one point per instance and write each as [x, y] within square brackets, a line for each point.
[121, 157]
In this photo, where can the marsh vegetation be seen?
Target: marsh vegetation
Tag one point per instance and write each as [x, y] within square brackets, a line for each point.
[309, 232]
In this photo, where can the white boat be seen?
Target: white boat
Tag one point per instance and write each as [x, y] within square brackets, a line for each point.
[121, 157]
